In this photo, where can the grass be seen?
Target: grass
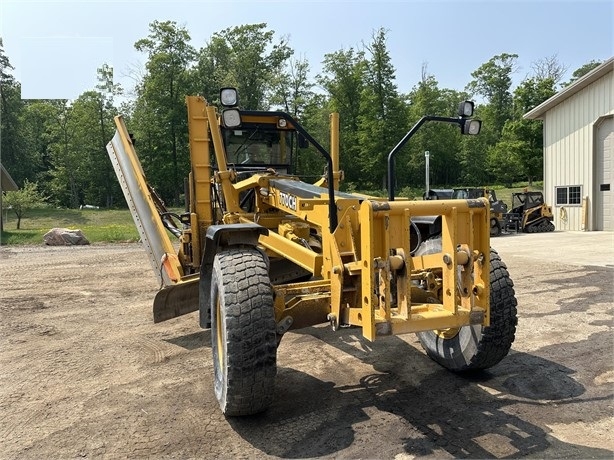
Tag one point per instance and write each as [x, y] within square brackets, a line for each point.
[113, 225]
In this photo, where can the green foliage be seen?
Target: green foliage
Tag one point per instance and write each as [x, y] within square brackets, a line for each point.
[66, 176]
[442, 141]
[245, 57]
[160, 116]
[383, 114]
[343, 79]
[493, 81]
[23, 200]
[583, 70]
[292, 90]
[411, 193]
[13, 141]
[309, 163]
[61, 145]
[523, 139]
[504, 161]
[36, 118]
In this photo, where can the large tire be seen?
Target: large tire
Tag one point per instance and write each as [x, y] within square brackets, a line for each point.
[477, 347]
[244, 341]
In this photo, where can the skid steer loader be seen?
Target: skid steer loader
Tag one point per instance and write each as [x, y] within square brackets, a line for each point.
[531, 212]
[260, 252]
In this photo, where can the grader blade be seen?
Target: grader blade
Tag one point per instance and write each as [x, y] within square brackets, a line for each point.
[176, 300]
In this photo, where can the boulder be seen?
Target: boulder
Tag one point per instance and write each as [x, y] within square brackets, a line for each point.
[64, 237]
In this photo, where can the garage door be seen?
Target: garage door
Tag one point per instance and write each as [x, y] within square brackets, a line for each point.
[604, 220]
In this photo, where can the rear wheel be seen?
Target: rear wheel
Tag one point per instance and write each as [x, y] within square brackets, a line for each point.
[243, 336]
[478, 347]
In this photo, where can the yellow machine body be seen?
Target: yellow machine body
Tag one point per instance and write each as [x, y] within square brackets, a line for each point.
[359, 273]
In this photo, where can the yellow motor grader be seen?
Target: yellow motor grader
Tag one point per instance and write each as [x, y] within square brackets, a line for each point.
[260, 252]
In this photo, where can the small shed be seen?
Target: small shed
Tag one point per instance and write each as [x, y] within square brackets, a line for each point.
[578, 124]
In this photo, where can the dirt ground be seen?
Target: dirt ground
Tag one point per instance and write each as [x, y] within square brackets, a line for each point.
[85, 373]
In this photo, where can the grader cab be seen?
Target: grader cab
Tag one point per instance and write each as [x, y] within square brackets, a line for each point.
[260, 252]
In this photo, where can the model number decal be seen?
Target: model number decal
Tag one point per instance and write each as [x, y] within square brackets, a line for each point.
[288, 201]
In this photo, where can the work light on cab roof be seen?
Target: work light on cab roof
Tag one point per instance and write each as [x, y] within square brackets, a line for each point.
[465, 109]
[229, 97]
[231, 118]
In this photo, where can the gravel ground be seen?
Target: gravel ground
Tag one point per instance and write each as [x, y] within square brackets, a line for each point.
[85, 373]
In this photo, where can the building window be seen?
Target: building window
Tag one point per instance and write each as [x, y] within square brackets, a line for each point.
[570, 195]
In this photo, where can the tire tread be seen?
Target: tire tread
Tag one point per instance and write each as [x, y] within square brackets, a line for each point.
[251, 345]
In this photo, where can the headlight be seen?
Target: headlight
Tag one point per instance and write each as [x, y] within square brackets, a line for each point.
[229, 97]
[231, 118]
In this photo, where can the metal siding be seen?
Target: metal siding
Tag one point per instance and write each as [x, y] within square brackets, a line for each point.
[568, 148]
[604, 174]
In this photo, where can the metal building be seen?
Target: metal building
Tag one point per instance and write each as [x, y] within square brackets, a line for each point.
[578, 125]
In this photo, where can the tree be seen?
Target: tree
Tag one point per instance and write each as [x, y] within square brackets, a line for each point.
[441, 140]
[12, 142]
[504, 161]
[382, 113]
[36, 126]
[524, 138]
[67, 173]
[316, 119]
[105, 179]
[245, 57]
[92, 127]
[549, 67]
[343, 79]
[292, 90]
[160, 117]
[493, 81]
[583, 70]
[24, 199]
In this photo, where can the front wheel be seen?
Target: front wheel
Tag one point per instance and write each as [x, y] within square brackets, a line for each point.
[478, 347]
[244, 341]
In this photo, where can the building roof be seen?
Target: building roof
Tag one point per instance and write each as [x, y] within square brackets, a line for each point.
[7, 184]
[538, 112]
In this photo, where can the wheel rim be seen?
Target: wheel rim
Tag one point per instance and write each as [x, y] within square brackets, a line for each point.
[219, 335]
[447, 334]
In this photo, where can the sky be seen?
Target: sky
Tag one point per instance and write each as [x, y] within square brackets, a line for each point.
[56, 46]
